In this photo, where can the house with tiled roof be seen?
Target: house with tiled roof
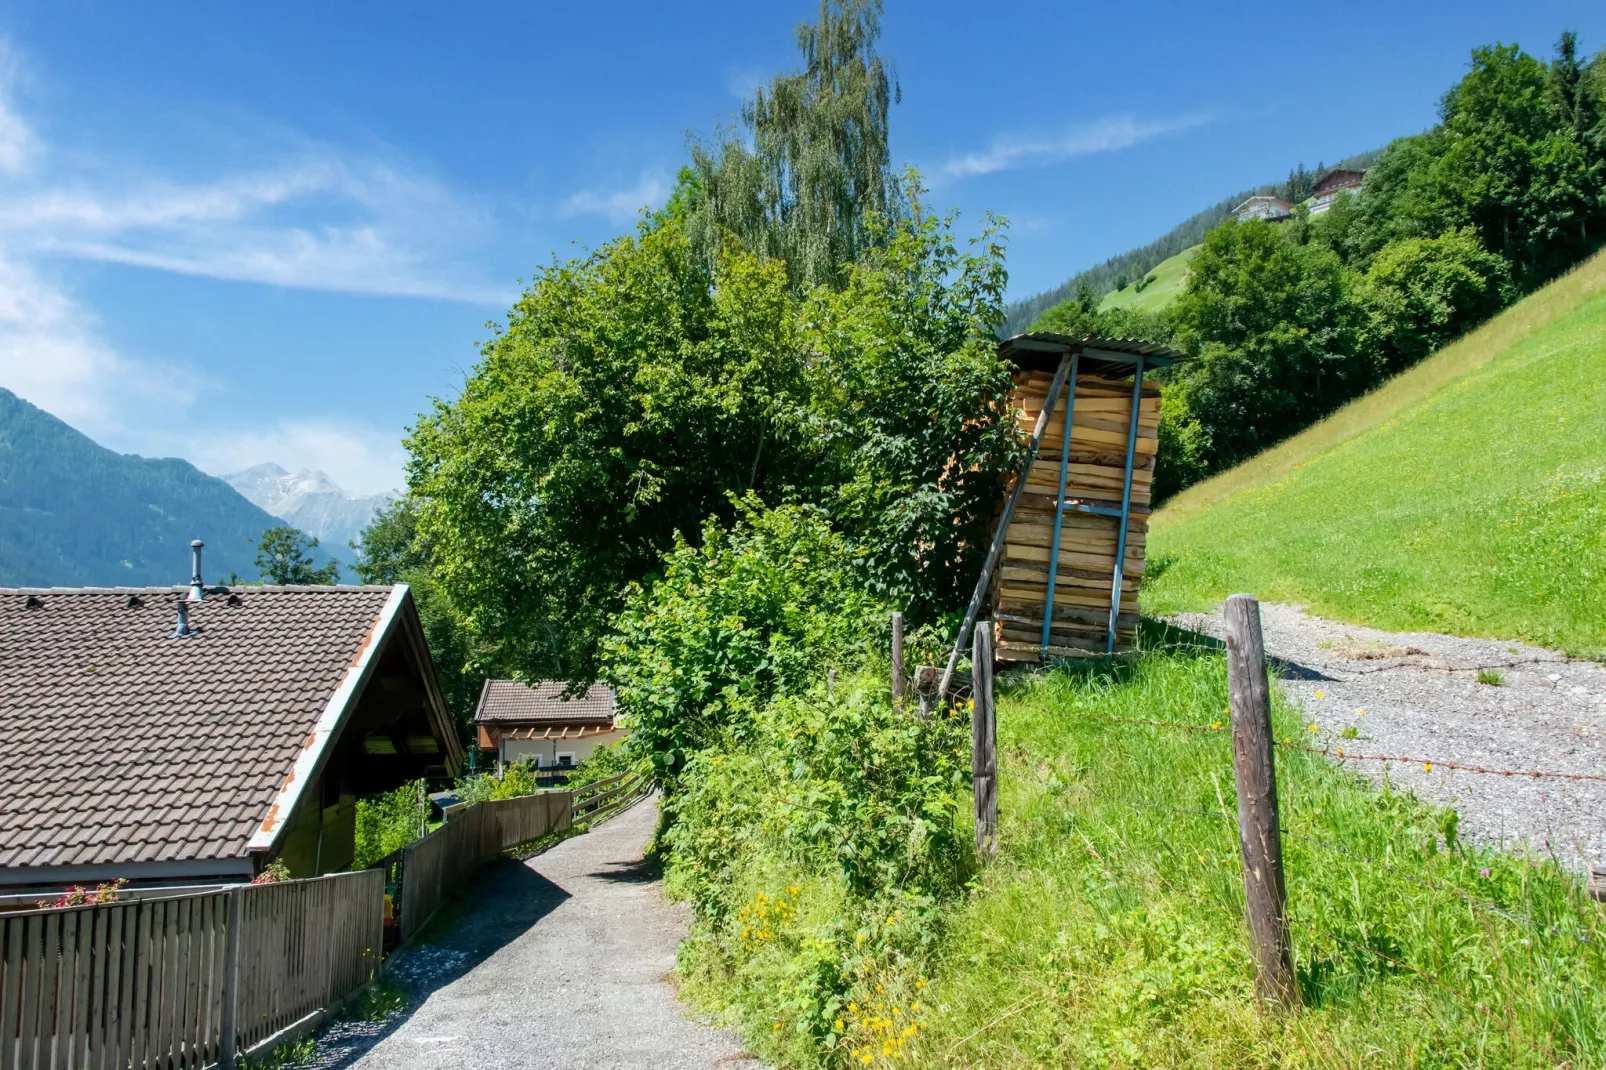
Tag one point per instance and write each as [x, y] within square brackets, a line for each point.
[1330, 185]
[195, 734]
[1262, 206]
[541, 723]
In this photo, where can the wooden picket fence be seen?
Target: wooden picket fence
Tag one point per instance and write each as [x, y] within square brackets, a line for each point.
[431, 868]
[183, 981]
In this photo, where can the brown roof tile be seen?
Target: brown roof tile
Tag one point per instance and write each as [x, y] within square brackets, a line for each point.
[513, 702]
[125, 745]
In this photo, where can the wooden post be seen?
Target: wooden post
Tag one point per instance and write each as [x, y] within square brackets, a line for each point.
[1259, 836]
[984, 742]
[228, 1027]
[830, 683]
[897, 658]
[926, 688]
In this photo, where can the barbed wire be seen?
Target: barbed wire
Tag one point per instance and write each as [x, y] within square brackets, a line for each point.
[1487, 905]
[1429, 764]
[1218, 726]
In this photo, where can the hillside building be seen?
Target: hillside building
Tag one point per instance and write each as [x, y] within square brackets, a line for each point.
[537, 724]
[1271, 209]
[1330, 185]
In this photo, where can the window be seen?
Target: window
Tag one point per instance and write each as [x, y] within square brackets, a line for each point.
[565, 759]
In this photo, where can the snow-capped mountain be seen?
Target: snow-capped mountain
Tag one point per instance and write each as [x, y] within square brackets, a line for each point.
[311, 501]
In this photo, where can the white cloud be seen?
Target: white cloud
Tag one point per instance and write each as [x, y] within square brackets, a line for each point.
[1009, 152]
[361, 459]
[49, 354]
[16, 139]
[620, 206]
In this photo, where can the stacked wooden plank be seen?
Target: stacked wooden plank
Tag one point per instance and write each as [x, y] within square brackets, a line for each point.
[1095, 473]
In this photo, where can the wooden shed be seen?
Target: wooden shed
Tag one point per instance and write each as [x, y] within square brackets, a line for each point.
[1073, 523]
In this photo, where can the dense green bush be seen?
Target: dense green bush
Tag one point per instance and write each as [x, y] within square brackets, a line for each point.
[821, 854]
[755, 610]
[389, 822]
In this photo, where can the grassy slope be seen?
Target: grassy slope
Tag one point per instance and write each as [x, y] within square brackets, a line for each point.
[1110, 930]
[1170, 275]
[1467, 495]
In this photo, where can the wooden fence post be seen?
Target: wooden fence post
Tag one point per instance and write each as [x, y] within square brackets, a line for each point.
[897, 658]
[1259, 835]
[830, 683]
[228, 1025]
[984, 741]
[926, 688]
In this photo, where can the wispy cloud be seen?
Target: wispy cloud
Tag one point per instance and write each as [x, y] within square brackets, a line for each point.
[620, 206]
[1009, 152]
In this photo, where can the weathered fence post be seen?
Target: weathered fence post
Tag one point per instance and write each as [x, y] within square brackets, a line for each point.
[1259, 838]
[926, 688]
[984, 741]
[228, 1026]
[897, 658]
[830, 683]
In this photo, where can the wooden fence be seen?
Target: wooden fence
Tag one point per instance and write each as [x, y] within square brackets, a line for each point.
[604, 798]
[430, 868]
[181, 981]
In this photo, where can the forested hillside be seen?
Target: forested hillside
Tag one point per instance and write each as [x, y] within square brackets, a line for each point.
[1118, 271]
[73, 513]
[1467, 496]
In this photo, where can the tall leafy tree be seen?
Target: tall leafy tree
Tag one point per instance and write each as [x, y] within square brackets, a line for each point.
[814, 165]
[284, 555]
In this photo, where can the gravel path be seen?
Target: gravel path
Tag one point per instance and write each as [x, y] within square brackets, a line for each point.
[561, 961]
[1421, 698]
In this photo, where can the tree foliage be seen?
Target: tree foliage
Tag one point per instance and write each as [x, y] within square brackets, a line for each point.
[757, 609]
[814, 166]
[1451, 225]
[284, 555]
[632, 394]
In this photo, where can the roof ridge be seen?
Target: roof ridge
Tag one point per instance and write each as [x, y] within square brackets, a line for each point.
[182, 587]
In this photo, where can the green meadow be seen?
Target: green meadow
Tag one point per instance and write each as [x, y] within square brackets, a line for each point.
[1467, 495]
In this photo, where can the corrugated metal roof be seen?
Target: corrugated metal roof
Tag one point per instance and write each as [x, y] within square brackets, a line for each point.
[1029, 350]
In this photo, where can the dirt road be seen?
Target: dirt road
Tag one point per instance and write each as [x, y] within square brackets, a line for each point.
[561, 961]
[1418, 695]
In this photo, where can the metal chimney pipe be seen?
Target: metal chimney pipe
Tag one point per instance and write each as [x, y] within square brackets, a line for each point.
[183, 631]
[197, 589]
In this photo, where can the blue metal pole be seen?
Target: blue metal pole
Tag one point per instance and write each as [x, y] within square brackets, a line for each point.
[1059, 506]
[1126, 502]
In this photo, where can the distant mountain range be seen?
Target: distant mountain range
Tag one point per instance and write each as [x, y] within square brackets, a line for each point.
[74, 513]
[311, 501]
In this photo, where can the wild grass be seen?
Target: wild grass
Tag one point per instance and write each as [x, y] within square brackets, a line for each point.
[1110, 930]
[1169, 275]
[1467, 495]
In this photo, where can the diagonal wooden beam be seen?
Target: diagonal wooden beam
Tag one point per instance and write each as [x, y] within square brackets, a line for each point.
[997, 548]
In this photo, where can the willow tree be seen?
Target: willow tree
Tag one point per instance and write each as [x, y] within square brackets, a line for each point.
[811, 165]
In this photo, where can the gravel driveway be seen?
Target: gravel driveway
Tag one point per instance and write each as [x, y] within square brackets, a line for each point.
[561, 961]
[1421, 698]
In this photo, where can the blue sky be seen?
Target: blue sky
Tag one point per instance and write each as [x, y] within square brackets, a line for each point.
[238, 233]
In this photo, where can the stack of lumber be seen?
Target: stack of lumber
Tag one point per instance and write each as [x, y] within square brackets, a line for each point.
[1097, 465]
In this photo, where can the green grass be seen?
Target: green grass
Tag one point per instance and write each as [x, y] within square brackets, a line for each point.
[1467, 495]
[1169, 276]
[1110, 933]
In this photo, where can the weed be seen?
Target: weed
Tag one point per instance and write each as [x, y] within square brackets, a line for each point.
[1492, 677]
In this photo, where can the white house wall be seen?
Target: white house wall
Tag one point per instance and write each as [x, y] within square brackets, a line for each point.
[548, 749]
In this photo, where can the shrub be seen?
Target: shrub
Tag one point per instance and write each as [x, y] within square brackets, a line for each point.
[756, 610]
[819, 854]
[388, 822]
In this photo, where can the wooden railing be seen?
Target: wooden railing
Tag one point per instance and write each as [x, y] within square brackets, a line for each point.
[433, 866]
[604, 798]
[185, 980]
